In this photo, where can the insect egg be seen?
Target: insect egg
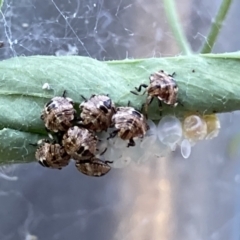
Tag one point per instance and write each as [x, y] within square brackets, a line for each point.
[169, 131]
[194, 128]
[185, 148]
[213, 125]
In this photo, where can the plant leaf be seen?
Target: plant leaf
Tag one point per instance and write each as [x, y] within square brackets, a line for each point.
[207, 83]
[15, 146]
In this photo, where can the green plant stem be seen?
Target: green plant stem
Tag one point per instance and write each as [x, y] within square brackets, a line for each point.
[216, 26]
[207, 83]
[175, 25]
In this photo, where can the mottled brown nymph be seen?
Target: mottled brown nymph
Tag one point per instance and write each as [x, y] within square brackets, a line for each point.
[51, 155]
[97, 112]
[58, 114]
[163, 86]
[80, 143]
[93, 167]
[129, 124]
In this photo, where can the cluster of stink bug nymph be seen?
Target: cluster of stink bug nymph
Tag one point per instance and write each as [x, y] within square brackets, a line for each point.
[75, 137]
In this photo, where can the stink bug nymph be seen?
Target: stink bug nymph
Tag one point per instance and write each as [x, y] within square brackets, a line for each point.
[51, 155]
[163, 86]
[129, 124]
[58, 114]
[96, 112]
[93, 167]
[80, 143]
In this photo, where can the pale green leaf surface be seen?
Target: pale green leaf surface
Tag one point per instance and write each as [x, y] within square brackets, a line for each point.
[207, 84]
[15, 146]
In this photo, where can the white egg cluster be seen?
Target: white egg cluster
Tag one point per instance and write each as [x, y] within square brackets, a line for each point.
[161, 139]
[196, 127]
[146, 148]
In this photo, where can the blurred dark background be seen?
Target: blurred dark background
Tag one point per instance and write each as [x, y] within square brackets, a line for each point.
[171, 198]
